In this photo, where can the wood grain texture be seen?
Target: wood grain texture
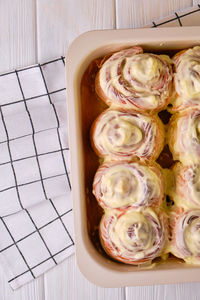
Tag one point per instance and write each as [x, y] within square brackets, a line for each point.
[59, 24]
[186, 291]
[137, 13]
[31, 291]
[18, 45]
[66, 281]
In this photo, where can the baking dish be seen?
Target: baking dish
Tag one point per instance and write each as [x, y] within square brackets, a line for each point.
[96, 267]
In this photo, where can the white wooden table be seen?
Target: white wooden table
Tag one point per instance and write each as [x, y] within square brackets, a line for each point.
[38, 30]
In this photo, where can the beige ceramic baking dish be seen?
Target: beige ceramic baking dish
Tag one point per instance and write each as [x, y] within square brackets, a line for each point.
[96, 267]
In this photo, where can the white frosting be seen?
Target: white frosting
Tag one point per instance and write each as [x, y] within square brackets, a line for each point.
[135, 235]
[187, 187]
[187, 78]
[185, 144]
[192, 237]
[143, 68]
[129, 184]
[142, 235]
[124, 135]
[188, 237]
[139, 76]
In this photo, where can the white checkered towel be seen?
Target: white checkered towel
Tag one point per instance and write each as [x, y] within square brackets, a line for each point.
[35, 193]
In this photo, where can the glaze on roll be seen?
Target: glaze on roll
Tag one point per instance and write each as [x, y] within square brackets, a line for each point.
[133, 237]
[184, 136]
[121, 135]
[119, 185]
[186, 235]
[187, 79]
[186, 192]
[129, 136]
[135, 80]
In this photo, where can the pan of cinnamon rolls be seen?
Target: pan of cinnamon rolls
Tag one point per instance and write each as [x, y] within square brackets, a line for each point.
[139, 222]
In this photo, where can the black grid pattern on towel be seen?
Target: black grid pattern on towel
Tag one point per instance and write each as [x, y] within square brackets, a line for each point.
[58, 215]
[179, 18]
[37, 230]
[36, 155]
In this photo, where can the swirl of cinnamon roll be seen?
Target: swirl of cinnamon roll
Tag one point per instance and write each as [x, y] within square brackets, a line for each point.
[133, 237]
[187, 79]
[135, 80]
[186, 235]
[123, 135]
[187, 185]
[119, 185]
[184, 136]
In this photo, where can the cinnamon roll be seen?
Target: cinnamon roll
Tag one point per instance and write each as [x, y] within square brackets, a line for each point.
[186, 235]
[124, 135]
[132, 79]
[187, 185]
[187, 79]
[119, 185]
[133, 237]
[184, 136]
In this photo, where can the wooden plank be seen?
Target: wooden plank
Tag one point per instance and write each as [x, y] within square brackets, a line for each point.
[60, 22]
[18, 49]
[187, 291]
[18, 34]
[66, 282]
[31, 291]
[137, 13]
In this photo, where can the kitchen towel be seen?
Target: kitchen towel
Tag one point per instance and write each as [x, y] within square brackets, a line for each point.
[36, 226]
